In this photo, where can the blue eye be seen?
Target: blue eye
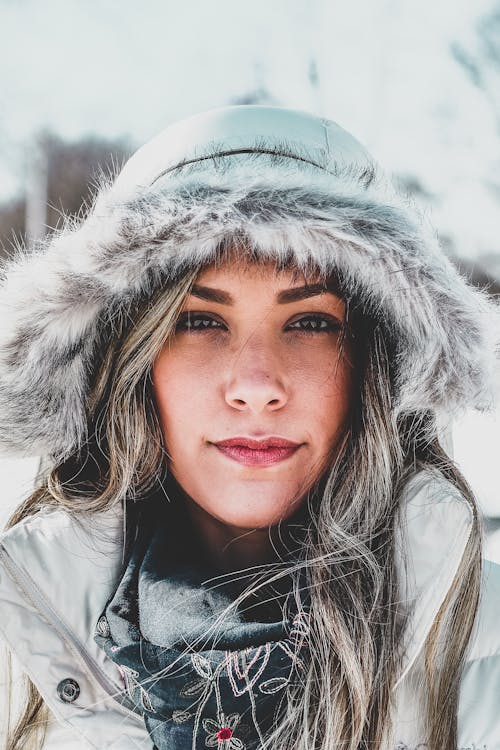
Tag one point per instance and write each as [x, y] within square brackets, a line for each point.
[308, 324]
[193, 322]
[317, 324]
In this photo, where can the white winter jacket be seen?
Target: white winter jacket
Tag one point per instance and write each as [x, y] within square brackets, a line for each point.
[57, 572]
[295, 186]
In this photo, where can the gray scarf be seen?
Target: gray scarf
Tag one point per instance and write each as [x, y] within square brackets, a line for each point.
[222, 689]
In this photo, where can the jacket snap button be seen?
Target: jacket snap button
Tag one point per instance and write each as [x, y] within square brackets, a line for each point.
[68, 690]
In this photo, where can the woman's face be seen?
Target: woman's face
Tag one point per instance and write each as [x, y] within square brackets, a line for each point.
[253, 356]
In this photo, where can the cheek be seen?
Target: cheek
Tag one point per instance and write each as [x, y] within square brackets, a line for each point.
[328, 372]
[328, 391]
[183, 393]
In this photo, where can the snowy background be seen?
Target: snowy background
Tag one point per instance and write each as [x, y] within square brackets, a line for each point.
[417, 83]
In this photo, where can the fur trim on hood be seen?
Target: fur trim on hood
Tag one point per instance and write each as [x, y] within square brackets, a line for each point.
[295, 186]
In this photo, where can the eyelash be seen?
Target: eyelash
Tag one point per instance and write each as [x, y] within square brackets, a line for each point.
[182, 325]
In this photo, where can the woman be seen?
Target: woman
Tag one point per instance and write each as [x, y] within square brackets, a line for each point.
[240, 367]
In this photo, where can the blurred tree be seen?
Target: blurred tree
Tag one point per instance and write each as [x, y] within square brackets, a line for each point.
[12, 218]
[73, 171]
[478, 276]
[259, 95]
[480, 57]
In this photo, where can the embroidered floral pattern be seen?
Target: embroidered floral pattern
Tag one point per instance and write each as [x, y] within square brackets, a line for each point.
[211, 681]
[245, 667]
[273, 685]
[204, 682]
[221, 732]
[244, 670]
[132, 685]
[180, 717]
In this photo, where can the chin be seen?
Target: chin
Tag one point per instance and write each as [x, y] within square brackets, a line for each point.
[250, 520]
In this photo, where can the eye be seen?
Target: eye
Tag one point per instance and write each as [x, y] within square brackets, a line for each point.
[311, 324]
[196, 322]
[307, 325]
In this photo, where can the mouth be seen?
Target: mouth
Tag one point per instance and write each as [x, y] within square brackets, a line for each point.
[249, 452]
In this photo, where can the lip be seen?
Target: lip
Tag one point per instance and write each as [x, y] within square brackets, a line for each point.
[252, 452]
[272, 441]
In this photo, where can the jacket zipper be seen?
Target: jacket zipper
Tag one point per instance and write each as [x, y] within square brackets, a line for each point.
[40, 604]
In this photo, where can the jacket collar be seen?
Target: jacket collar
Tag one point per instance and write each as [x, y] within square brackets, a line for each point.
[435, 524]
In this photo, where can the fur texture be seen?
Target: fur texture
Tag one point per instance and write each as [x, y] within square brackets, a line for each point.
[58, 302]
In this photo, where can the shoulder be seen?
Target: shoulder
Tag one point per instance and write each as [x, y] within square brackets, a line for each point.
[67, 562]
[428, 487]
[433, 505]
[53, 544]
[57, 572]
[480, 685]
[53, 525]
[485, 641]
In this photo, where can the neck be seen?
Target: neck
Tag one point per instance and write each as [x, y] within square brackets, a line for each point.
[229, 548]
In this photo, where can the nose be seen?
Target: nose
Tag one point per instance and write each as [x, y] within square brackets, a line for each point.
[256, 381]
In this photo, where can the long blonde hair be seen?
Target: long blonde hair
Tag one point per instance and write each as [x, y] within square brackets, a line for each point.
[344, 699]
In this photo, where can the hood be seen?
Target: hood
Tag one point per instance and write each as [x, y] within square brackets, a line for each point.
[295, 186]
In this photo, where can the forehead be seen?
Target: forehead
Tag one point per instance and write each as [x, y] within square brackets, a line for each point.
[236, 267]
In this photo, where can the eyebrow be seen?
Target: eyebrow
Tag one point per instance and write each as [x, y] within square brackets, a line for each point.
[294, 294]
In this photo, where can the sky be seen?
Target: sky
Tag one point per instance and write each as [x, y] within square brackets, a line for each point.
[383, 70]
[119, 68]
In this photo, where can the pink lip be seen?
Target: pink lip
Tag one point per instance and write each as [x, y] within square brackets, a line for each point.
[252, 452]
